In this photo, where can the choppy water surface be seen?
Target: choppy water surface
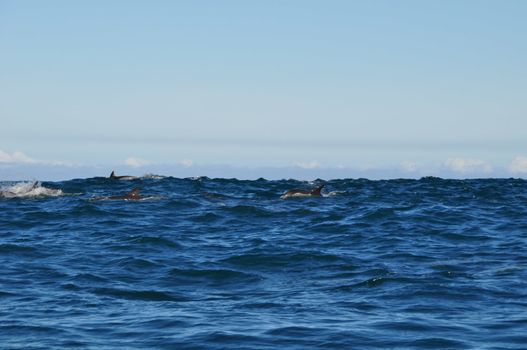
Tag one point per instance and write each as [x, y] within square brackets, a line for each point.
[226, 264]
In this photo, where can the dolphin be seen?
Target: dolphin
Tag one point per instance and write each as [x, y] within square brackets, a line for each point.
[303, 193]
[123, 177]
[130, 196]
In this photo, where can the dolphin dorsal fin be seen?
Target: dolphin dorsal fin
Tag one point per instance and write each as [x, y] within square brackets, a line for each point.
[317, 191]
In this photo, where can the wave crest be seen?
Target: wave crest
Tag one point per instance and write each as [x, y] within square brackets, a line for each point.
[28, 189]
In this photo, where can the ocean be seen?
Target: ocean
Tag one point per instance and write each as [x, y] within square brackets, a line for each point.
[204, 263]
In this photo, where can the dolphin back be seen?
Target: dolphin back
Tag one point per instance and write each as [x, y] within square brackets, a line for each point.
[317, 191]
[134, 192]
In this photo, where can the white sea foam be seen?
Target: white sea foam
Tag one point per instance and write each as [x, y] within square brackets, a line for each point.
[335, 193]
[152, 176]
[28, 189]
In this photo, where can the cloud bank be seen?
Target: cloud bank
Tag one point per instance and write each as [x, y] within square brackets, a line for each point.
[136, 162]
[16, 157]
[468, 166]
[308, 165]
[18, 165]
[187, 163]
[518, 165]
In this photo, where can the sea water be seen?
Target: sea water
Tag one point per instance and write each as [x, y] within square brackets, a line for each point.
[226, 264]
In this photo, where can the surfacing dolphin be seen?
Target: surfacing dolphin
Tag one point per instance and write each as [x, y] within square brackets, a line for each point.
[130, 196]
[123, 177]
[303, 193]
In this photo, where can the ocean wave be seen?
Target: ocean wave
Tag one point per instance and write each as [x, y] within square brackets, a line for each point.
[218, 277]
[145, 295]
[428, 263]
[334, 193]
[153, 176]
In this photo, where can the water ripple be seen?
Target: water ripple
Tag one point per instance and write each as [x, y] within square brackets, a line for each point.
[226, 264]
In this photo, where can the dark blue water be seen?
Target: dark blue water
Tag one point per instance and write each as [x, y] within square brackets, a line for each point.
[227, 264]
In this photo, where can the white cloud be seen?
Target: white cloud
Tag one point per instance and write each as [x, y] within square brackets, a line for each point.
[19, 158]
[461, 165]
[409, 167]
[187, 163]
[518, 165]
[135, 162]
[15, 158]
[308, 165]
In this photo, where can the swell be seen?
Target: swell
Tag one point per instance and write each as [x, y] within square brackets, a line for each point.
[224, 263]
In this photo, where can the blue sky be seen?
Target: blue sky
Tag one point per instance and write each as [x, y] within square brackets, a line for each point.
[294, 88]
